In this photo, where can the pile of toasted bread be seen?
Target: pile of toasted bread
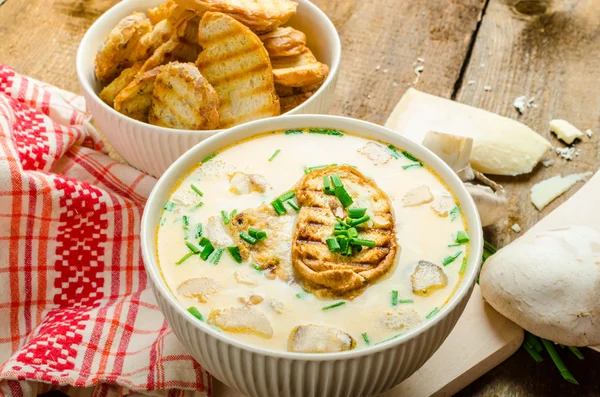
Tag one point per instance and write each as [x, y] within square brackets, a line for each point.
[207, 64]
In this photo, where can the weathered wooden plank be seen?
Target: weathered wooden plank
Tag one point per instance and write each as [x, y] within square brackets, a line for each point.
[382, 41]
[549, 50]
[554, 56]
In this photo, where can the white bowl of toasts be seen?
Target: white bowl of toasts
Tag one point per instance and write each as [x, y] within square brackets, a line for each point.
[154, 91]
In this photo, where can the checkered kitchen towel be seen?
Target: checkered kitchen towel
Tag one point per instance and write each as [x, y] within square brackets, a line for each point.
[75, 304]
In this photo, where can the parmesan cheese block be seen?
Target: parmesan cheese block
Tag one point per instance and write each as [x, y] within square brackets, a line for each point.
[547, 190]
[565, 131]
[501, 146]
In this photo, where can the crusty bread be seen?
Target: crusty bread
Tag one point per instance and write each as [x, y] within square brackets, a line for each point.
[299, 70]
[110, 92]
[182, 98]
[284, 91]
[135, 99]
[118, 47]
[259, 15]
[328, 274]
[237, 65]
[290, 102]
[160, 12]
[283, 42]
[173, 50]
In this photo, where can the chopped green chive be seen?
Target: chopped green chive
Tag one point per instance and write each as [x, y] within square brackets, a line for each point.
[343, 242]
[337, 182]
[333, 244]
[363, 242]
[184, 258]
[558, 362]
[405, 301]
[432, 313]
[278, 207]
[206, 247]
[327, 185]
[389, 339]
[257, 234]
[410, 156]
[449, 259]
[334, 305]
[454, 213]
[257, 268]
[194, 312]
[200, 204]
[209, 157]
[534, 341]
[534, 354]
[393, 151]
[169, 206]
[192, 247]
[454, 245]
[247, 238]
[356, 213]
[198, 233]
[292, 204]
[293, 132]
[394, 297]
[358, 221]
[286, 196]
[235, 253]
[413, 165]
[325, 131]
[463, 266]
[225, 217]
[232, 214]
[275, 154]
[352, 233]
[462, 237]
[186, 227]
[340, 233]
[186, 220]
[216, 255]
[343, 196]
[194, 188]
[162, 221]
[366, 338]
[576, 352]
[308, 170]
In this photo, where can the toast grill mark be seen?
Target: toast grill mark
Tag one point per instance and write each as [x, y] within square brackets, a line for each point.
[329, 274]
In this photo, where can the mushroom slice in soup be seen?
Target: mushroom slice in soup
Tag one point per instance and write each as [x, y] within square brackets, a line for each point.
[241, 183]
[247, 320]
[315, 338]
[417, 196]
[276, 305]
[401, 319]
[199, 288]
[243, 278]
[251, 300]
[428, 278]
[216, 232]
[442, 205]
[375, 152]
[274, 251]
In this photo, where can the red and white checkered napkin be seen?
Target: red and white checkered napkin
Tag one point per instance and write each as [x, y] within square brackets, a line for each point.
[76, 309]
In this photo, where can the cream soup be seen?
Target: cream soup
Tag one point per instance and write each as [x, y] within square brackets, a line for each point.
[265, 300]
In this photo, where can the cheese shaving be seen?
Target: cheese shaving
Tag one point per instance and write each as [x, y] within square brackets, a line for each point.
[544, 192]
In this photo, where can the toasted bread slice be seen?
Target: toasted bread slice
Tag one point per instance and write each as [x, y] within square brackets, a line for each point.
[288, 103]
[283, 42]
[161, 12]
[328, 274]
[110, 92]
[182, 98]
[134, 100]
[259, 15]
[118, 47]
[173, 50]
[237, 65]
[284, 91]
[299, 70]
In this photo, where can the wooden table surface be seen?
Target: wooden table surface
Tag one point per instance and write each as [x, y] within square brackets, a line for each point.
[483, 53]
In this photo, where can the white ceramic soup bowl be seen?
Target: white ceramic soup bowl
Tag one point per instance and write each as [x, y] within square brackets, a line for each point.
[261, 372]
[151, 148]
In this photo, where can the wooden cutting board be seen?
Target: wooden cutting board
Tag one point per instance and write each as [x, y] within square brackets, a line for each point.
[482, 337]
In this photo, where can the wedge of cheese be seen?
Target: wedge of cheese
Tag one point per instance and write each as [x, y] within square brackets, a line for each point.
[501, 146]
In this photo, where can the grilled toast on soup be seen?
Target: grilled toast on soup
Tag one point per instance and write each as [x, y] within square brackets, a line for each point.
[182, 98]
[283, 42]
[134, 100]
[259, 15]
[110, 92]
[237, 65]
[161, 12]
[118, 47]
[273, 253]
[299, 70]
[328, 274]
